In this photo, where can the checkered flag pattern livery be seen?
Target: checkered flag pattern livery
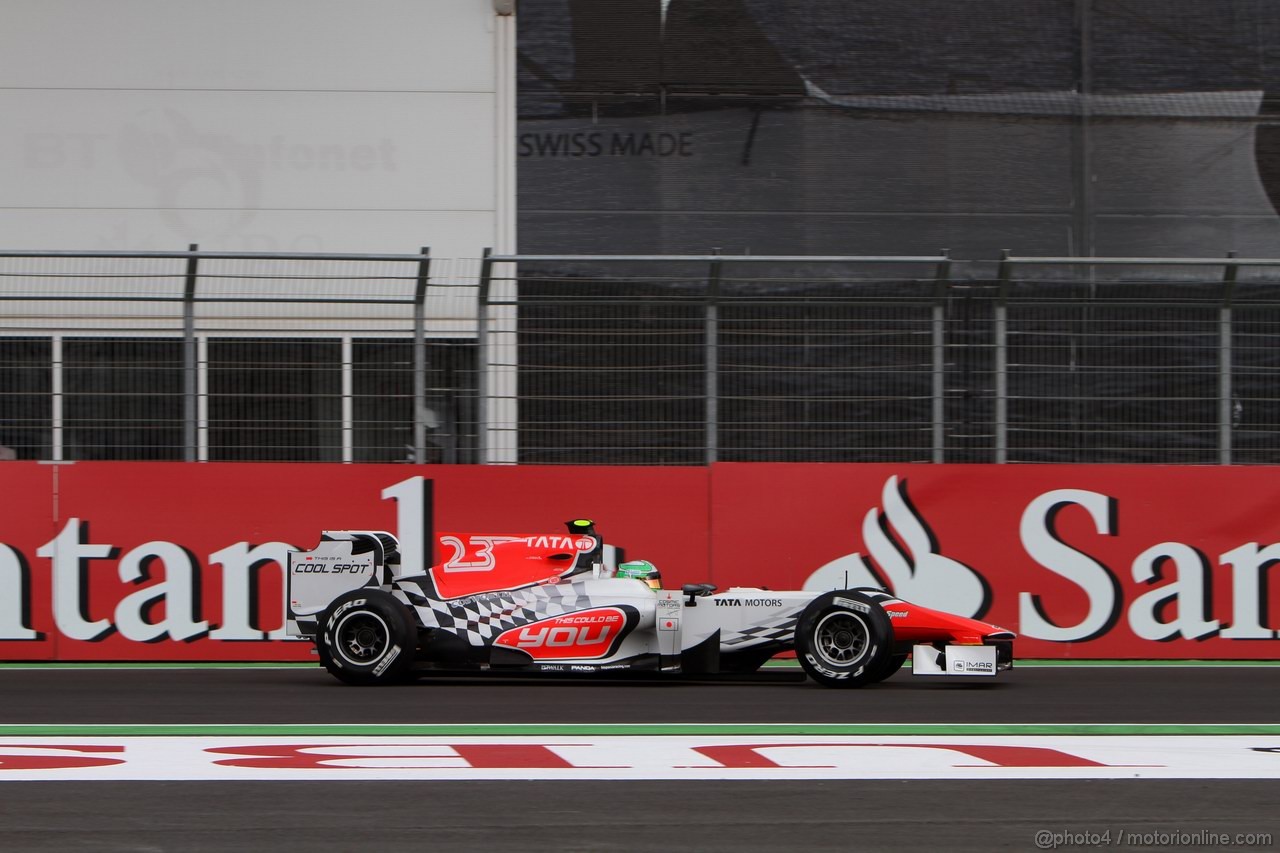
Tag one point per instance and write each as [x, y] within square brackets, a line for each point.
[480, 618]
[780, 629]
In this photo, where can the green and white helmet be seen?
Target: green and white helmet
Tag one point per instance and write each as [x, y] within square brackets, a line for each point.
[641, 570]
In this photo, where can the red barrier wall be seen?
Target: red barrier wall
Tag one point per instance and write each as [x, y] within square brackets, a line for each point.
[161, 561]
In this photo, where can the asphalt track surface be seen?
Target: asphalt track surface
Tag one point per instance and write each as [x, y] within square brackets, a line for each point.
[306, 695]
[624, 816]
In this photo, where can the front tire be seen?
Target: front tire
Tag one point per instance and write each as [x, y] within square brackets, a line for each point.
[367, 637]
[891, 666]
[844, 639]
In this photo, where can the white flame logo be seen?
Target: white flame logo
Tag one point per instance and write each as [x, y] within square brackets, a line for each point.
[906, 561]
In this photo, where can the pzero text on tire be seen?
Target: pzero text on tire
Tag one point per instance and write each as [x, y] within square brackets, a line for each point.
[844, 639]
[367, 637]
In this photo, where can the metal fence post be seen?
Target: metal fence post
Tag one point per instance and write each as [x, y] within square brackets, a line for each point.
[190, 363]
[712, 359]
[942, 281]
[347, 347]
[420, 358]
[57, 436]
[1002, 362]
[482, 354]
[1083, 236]
[1224, 361]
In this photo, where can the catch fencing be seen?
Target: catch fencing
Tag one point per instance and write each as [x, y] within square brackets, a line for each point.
[637, 360]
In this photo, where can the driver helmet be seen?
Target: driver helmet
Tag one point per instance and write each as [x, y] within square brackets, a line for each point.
[641, 570]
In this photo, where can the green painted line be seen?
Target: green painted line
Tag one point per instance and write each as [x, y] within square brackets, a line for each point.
[629, 729]
[1059, 662]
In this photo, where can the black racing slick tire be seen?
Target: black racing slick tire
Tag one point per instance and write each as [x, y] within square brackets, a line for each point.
[367, 637]
[891, 666]
[844, 639]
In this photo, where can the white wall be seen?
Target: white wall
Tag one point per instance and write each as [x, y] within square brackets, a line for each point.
[255, 125]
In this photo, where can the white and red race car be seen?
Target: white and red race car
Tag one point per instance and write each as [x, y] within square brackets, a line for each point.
[550, 604]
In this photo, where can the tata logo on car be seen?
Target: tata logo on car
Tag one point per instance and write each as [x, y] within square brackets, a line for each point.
[568, 543]
[586, 634]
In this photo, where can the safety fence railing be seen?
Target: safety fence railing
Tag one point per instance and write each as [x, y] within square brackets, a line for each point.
[237, 356]
[676, 360]
[684, 360]
[1137, 360]
[696, 359]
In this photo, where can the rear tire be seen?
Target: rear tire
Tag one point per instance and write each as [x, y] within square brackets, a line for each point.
[845, 639]
[367, 637]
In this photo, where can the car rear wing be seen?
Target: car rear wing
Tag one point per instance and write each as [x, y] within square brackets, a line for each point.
[345, 560]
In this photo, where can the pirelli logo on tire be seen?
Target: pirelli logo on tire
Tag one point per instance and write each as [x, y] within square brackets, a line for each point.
[386, 661]
[851, 604]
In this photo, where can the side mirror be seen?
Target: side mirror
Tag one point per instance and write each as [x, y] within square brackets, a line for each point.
[694, 591]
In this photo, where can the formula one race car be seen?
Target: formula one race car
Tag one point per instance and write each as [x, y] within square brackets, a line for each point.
[549, 604]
